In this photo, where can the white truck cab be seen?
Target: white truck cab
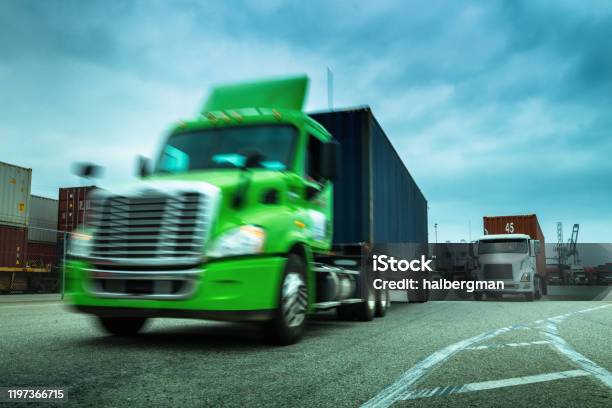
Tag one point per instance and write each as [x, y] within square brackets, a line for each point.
[578, 275]
[510, 258]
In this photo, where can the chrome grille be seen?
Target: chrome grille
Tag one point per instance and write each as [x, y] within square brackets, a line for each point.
[152, 227]
[498, 271]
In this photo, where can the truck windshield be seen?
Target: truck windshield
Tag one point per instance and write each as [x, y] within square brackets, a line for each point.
[227, 148]
[503, 246]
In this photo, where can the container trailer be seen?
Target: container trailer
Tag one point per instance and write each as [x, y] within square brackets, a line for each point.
[512, 250]
[253, 211]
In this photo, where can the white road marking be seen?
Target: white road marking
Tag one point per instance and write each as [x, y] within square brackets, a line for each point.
[393, 392]
[580, 360]
[497, 346]
[489, 385]
[401, 386]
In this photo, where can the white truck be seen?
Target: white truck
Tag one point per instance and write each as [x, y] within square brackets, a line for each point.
[511, 258]
[578, 274]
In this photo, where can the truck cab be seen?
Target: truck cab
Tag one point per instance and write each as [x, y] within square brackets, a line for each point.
[578, 275]
[510, 258]
[232, 222]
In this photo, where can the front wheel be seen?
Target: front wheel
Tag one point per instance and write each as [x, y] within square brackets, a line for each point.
[538, 287]
[122, 326]
[287, 326]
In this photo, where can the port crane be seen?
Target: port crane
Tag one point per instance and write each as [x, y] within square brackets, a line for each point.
[568, 250]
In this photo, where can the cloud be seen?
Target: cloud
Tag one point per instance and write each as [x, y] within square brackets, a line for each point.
[495, 107]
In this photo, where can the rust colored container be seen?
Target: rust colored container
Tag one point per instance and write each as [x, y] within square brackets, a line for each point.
[519, 224]
[12, 247]
[41, 255]
[73, 207]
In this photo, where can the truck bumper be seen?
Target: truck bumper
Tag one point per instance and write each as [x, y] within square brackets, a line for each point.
[240, 289]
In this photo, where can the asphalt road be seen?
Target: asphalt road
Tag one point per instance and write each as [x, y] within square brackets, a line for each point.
[418, 355]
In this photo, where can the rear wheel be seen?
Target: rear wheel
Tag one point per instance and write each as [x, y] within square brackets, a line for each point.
[537, 282]
[365, 310]
[382, 303]
[287, 326]
[122, 326]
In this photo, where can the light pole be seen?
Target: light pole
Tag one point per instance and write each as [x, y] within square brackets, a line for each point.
[436, 231]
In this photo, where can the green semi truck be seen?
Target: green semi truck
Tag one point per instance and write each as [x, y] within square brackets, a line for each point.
[235, 221]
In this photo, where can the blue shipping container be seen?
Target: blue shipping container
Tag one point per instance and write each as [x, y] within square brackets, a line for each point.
[376, 200]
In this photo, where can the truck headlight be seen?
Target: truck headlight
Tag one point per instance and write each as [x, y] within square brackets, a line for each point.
[526, 277]
[244, 240]
[79, 245]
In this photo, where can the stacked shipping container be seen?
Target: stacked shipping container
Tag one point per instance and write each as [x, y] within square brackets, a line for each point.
[15, 184]
[28, 254]
[73, 207]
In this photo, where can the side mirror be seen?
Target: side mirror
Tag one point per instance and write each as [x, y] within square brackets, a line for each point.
[534, 247]
[143, 166]
[330, 160]
[87, 170]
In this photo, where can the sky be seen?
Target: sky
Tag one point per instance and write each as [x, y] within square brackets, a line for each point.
[496, 107]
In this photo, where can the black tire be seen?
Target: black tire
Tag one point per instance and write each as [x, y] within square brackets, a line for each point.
[287, 326]
[529, 297]
[478, 296]
[122, 326]
[364, 311]
[538, 289]
[382, 302]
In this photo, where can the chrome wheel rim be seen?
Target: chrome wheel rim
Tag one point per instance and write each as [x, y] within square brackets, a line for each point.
[385, 299]
[294, 299]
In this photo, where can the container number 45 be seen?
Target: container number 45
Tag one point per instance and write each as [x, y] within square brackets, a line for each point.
[510, 227]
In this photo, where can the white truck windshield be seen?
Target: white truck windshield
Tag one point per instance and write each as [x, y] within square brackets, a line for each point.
[503, 246]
